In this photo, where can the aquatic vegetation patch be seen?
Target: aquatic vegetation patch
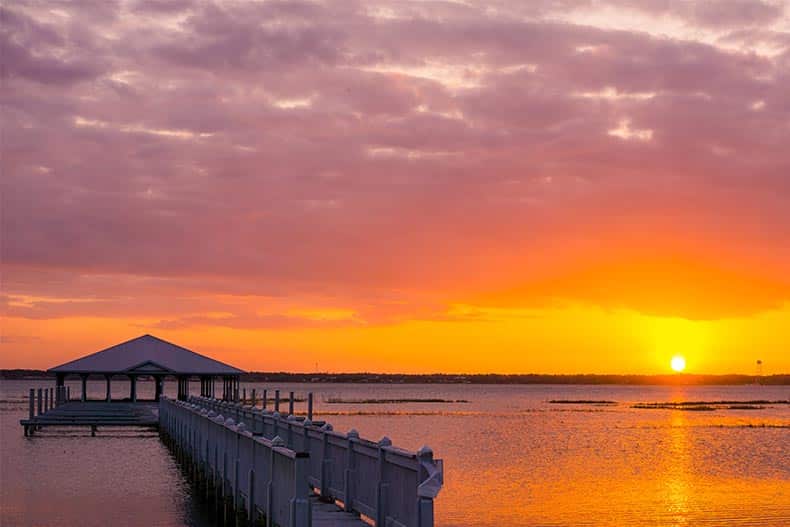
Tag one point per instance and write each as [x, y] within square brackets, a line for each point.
[400, 413]
[674, 406]
[338, 400]
[707, 406]
[595, 402]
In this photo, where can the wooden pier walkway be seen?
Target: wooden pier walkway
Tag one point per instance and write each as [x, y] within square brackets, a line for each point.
[329, 515]
[292, 472]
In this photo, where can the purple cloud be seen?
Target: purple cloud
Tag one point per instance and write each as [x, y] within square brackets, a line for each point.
[412, 151]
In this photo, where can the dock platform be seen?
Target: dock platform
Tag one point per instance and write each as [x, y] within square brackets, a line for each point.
[95, 414]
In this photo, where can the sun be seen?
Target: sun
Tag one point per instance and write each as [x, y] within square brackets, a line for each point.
[678, 363]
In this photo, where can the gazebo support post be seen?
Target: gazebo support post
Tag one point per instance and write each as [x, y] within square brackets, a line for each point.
[84, 379]
[60, 383]
[157, 387]
[133, 388]
[183, 388]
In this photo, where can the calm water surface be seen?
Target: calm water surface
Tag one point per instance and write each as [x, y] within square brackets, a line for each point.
[511, 457]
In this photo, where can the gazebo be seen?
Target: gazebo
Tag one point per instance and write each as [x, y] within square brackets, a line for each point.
[152, 356]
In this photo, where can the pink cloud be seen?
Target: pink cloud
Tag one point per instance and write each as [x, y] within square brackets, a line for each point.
[299, 146]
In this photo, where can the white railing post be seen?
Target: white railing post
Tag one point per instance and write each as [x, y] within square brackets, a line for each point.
[240, 429]
[306, 424]
[257, 424]
[275, 424]
[276, 442]
[301, 513]
[430, 477]
[251, 482]
[325, 461]
[289, 422]
[350, 472]
[310, 406]
[382, 486]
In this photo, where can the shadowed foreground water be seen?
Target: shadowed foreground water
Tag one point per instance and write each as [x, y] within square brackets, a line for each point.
[511, 457]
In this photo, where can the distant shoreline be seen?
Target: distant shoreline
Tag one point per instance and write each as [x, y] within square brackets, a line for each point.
[480, 378]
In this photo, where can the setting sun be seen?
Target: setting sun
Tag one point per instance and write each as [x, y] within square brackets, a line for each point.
[678, 363]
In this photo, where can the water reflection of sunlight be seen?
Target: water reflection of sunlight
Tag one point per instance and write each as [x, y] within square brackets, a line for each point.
[677, 470]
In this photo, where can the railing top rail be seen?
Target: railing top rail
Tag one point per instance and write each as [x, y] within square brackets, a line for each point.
[275, 444]
[303, 423]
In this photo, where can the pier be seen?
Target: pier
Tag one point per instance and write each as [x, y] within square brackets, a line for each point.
[255, 464]
[271, 469]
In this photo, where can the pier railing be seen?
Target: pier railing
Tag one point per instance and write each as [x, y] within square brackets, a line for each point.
[41, 401]
[390, 486]
[260, 477]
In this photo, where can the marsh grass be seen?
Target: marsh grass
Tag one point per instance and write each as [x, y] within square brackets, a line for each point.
[338, 400]
[708, 406]
[595, 402]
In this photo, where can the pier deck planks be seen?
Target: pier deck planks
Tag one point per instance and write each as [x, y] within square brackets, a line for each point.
[96, 414]
[329, 515]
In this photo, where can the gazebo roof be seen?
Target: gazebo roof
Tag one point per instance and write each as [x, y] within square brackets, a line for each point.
[146, 355]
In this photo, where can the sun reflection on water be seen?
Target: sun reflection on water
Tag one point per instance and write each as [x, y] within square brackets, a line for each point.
[677, 473]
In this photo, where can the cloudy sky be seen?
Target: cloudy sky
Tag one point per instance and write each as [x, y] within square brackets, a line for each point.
[547, 186]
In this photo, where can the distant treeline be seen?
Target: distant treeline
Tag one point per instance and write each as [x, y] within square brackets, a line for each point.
[490, 378]
[486, 378]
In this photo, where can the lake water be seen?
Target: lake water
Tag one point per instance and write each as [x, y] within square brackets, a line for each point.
[511, 457]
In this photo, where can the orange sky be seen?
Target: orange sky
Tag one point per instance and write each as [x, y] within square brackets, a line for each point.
[531, 187]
